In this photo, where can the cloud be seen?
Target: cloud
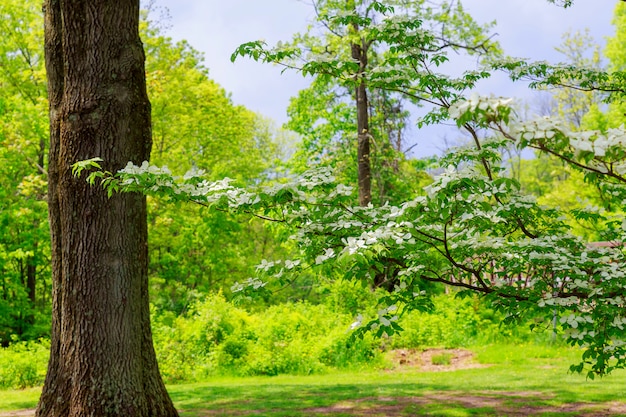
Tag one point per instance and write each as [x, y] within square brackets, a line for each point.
[218, 27]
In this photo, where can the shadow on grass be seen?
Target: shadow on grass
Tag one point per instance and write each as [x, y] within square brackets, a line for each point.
[484, 392]
[506, 389]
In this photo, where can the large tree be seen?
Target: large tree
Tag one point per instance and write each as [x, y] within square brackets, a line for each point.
[102, 359]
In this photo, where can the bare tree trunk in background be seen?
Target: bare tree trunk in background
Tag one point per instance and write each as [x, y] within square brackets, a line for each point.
[102, 360]
[359, 54]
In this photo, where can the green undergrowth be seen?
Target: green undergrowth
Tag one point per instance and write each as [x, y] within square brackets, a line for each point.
[24, 364]
[217, 338]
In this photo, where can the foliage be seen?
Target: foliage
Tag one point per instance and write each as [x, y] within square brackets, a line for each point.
[472, 227]
[195, 122]
[573, 105]
[216, 337]
[611, 115]
[23, 364]
[460, 322]
[558, 185]
[196, 125]
[348, 297]
[24, 266]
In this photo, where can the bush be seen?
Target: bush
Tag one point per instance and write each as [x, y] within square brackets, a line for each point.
[461, 322]
[186, 345]
[218, 338]
[453, 322]
[24, 364]
[293, 338]
[349, 297]
[302, 339]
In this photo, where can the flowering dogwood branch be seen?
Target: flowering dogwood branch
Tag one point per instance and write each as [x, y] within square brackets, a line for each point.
[464, 232]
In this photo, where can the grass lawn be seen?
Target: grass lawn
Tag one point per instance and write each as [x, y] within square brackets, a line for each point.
[516, 381]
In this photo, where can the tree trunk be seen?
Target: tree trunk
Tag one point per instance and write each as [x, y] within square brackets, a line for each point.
[363, 151]
[359, 53]
[102, 360]
[31, 278]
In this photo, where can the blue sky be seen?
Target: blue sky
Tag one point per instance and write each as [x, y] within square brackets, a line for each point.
[525, 28]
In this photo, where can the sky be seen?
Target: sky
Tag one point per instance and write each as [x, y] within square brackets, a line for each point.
[529, 29]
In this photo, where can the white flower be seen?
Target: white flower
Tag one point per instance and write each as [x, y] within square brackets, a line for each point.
[329, 253]
[255, 283]
[193, 173]
[353, 245]
[357, 323]
[292, 264]
[265, 265]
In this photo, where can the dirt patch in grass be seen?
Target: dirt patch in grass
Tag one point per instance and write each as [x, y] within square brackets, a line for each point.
[426, 360]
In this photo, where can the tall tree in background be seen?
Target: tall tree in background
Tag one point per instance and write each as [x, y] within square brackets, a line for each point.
[386, 49]
[579, 49]
[102, 360]
[359, 51]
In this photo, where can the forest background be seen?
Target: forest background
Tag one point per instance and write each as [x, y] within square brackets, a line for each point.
[197, 255]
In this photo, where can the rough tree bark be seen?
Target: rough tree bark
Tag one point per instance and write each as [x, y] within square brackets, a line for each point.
[102, 359]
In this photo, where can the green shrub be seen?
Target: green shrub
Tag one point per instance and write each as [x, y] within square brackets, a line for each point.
[302, 339]
[293, 338]
[218, 338]
[461, 322]
[349, 297]
[24, 364]
[452, 323]
[187, 346]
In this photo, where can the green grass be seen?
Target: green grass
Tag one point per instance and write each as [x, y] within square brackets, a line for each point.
[442, 359]
[19, 399]
[535, 384]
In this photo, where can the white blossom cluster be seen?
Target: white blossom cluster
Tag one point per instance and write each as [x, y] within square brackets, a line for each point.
[492, 106]
[191, 185]
[539, 130]
[250, 283]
